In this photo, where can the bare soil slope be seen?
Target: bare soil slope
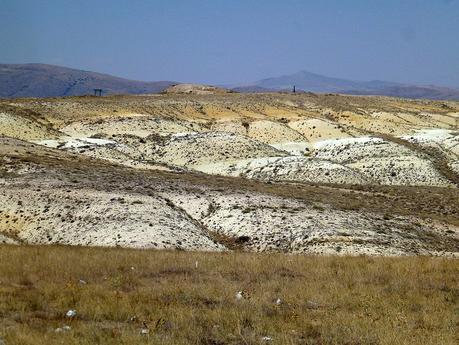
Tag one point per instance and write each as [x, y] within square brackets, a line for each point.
[270, 172]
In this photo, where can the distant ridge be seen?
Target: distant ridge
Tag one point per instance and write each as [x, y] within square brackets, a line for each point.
[307, 81]
[41, 80]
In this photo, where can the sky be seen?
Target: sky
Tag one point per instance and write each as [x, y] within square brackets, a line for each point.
[235, 41]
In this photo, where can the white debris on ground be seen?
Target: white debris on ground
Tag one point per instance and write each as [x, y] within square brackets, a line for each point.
[71, 313]
[437, 135]
[294, 148]
[144, 331]
[62, 329]
[239, 296]
[75, 143]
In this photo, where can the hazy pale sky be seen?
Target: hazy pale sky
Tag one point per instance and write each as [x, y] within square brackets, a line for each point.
[233, 41]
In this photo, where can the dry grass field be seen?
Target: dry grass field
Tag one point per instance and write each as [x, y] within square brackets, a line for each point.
[180, 297]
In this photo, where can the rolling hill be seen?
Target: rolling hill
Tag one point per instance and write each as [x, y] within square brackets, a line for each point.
[211, 170]
[307, 81]
[40, 80]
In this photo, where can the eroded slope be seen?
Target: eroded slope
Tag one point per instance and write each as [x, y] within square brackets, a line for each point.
[272, 137]
[49, 196]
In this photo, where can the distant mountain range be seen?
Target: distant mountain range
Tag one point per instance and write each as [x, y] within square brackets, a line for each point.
[40, 80]
[311, 82]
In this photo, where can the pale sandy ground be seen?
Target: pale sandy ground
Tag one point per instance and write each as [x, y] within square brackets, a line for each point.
[98, 218]
[360, 160]
[21, 127]
[89, 205]
[212, 135]
[6, 240]
[271, 138]
[319, 129]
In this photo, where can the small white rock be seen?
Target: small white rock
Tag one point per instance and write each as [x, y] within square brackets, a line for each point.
[239, 296]
[278, 301]
[71, 313]
[266, 339]
[62, 329]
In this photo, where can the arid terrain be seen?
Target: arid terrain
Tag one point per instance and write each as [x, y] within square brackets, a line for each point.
[229, 173]
[199, 168]
[210, 177]
[83, 296]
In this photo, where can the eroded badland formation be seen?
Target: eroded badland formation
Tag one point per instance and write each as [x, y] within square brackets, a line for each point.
[205, 169]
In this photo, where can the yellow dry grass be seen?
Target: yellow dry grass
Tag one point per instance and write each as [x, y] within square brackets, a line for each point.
[189, 298]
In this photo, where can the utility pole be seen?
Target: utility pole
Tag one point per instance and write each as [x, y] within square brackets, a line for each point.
[294, 89]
